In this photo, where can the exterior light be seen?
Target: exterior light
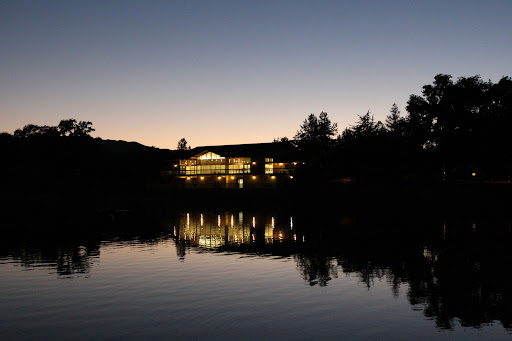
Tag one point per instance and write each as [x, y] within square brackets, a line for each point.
[291, 176]
[219, 177]
[280, 163]
[232, 177]
[175, 165]
[254, 163]
[202, 178]
[473, 174]
[254, 176]
[273, 176]
[188, 177]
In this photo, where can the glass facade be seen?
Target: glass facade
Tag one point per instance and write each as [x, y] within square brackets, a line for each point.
[209, 156]
[239, 169]
[269, 168]
[208, 163]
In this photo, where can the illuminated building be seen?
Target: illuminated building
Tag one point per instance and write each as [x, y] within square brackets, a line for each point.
[235, 166]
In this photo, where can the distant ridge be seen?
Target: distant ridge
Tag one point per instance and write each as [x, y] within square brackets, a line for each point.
[119, 146]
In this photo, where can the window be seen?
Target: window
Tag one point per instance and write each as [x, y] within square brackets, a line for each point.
[210, 156]
[236, 169]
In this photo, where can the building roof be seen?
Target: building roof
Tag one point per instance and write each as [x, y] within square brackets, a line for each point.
[277, 150]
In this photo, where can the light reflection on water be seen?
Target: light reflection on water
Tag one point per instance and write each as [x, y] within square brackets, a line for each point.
[265, 275]
[211, 231]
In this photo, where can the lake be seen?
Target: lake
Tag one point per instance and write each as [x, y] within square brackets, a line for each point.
[224, 274]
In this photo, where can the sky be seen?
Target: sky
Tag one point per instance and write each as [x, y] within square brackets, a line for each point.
[231, 72]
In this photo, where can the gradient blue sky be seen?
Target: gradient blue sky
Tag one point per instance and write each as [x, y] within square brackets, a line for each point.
[229, 72]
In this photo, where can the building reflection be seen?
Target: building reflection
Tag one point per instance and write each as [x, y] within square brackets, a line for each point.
[210, 230]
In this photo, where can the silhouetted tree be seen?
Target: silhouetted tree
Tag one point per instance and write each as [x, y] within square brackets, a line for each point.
[33, 130]
[365, 130]
[83, 128]
[393, 119]
[367, 126]
[316, 130]
[68, 127]
[73, 128]
[361, 148]
[462, 123]
[315, 137]
[182, 144]
[281, 139]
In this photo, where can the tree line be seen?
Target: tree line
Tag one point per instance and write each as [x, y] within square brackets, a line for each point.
[67, 158]
[453, 130]
[69, 127]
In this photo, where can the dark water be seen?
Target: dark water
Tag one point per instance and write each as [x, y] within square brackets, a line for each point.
[259, 274]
